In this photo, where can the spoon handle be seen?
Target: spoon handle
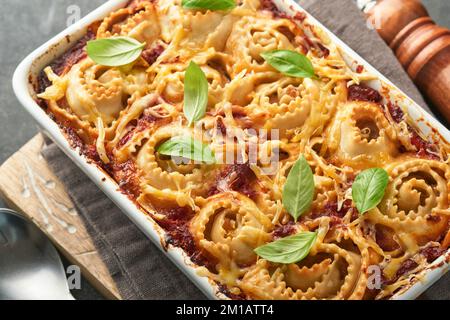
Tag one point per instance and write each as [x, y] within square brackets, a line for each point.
[70, 297]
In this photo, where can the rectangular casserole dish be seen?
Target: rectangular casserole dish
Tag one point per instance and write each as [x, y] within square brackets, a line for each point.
[27, 73]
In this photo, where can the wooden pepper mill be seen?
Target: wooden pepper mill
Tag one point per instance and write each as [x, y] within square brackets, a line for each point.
[422, 47]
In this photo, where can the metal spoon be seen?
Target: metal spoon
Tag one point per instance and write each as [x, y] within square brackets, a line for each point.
[30, 267]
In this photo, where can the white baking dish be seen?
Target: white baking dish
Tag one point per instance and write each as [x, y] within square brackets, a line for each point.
[31, 66]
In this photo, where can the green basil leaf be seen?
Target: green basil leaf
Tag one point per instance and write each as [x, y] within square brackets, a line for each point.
[368, 189]
[298, 192]
[195, 93]
[290, 63]
[188, 148]
[288, 250]
[209, 4]
[114, 52]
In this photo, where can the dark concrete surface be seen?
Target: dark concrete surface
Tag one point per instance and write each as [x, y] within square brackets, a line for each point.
[24, 25]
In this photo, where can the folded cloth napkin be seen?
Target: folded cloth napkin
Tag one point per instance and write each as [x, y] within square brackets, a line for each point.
[140, 270]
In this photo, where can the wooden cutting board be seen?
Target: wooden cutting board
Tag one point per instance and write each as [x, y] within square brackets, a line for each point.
[28, 186]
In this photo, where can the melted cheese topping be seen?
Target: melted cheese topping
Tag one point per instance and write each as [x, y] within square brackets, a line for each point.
[228, 210]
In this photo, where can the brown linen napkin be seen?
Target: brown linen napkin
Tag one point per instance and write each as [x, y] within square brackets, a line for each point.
[137, 266]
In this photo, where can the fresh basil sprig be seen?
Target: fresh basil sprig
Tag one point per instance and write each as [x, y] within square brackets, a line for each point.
[209, 4]
[188, 148]
[288, 250]
[368, 188]
[290, 63]
[298, 191]
[195, 93]
[114, 52]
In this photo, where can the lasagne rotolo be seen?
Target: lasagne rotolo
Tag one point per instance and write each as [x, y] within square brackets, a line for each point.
[258, 122]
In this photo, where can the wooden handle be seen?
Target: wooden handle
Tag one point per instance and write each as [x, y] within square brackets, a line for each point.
[421, 46]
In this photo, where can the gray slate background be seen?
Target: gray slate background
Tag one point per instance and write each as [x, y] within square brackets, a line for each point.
[24, 25]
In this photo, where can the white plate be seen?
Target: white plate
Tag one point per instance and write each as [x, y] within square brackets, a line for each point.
[30, 67]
